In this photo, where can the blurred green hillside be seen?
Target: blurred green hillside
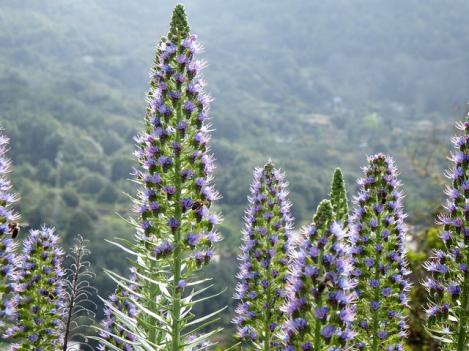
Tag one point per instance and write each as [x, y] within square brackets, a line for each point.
[311, 84]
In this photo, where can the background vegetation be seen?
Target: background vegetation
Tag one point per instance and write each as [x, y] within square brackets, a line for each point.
[312, 84]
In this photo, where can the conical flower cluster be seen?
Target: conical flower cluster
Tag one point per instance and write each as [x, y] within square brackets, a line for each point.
[7, 246]
[448, 281]
[320, 304]
[176, 225]
[39, 287]
[174, 204]
[263, 275]
[378, 235]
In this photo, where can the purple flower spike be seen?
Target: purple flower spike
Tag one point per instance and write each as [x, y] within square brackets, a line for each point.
[448, 280]
[321, 289]
[175, 224]
[39, 287]
[8, 231]
[377, 232]
[263, 272]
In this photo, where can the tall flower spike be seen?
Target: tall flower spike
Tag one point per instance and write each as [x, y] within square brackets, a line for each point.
[264, 260]
[378, 236]
[448, 280]
[320, 291]
[8, 259]
[339, 199]
[39, 287]
[175, 227]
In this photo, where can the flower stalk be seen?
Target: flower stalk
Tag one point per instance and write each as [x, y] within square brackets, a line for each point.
[39, 285]
[263, 272]
[8, 257]
[448, 274]
[377, 232]
[321, 297]
[175, 226]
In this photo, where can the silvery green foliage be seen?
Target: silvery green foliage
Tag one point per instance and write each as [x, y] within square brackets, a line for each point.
[338, 196]
[263, 272]
[175, 228]
[78, 292]
[8, 258]
[320, 290]
[448, 280]
[377, 232]
[39, 284]
[115, 335]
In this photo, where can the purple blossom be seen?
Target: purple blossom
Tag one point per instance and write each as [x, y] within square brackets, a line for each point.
[193, 239]
[321, 312]
[186, 203]
[164, 249]
[328, 331]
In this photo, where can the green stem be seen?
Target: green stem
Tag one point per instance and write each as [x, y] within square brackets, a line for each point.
[154, 292]
[176, 311]
[375, 315]
[375, 324]
[462, 330]
[461, 346]
[317, 328]
[72, 300]
[268, 315]
[267, 324]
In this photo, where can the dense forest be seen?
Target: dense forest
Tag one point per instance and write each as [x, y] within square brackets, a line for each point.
[311, 84]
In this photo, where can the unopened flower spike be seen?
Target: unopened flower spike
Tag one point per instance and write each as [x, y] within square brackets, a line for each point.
[320, 291]
[378, 235]
[176, 226]
[264, 260]
[448, 280]
[339, 199]
[8, 229]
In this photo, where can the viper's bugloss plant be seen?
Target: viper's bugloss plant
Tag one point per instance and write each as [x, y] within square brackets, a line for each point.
[39, 288]
[378, 235]
[339, 198]
[320, 303]
[448, 281]
[175, 226]
[264, 261]
[8, 259]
